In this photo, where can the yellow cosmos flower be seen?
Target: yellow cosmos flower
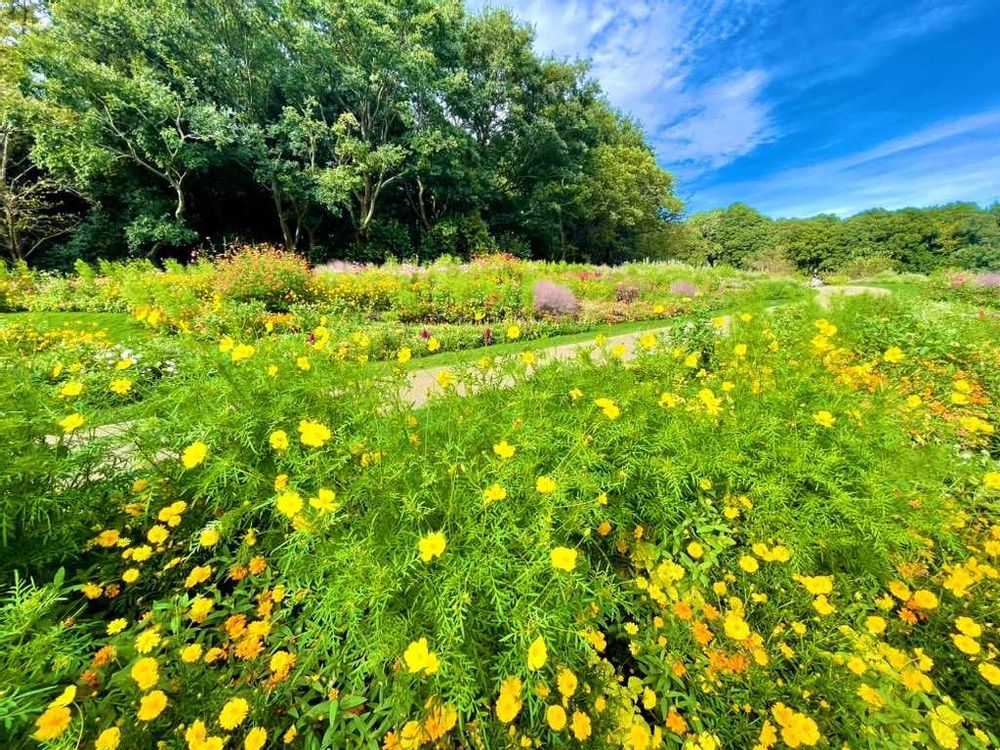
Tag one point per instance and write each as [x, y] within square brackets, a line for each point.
[68, 390]
[749, 564]
[493, 493]
[151, 705]
[198, 574]
[145, 672]
[695, 550]
[875, 625]
[824, 418]
[117, 625]
[563, 558]
[419, 658]
[256, 739]
[990, 673]
[194, 454]
[816, 585]
[313, 434]
[504, 449]
[923, 599]
[965, 644]
[566, 682]
[509, 703]
[72, 422]
[669, 400]
[289, 503]
[991, 480]
[431, 546]
[610, 409]
[303, 363]
[822, 605]
[968, 626]
[538, 654]
[52, 723]
[233, 713]
[91, 590]
[109, 739]
[324, 501]
[242, 352]
[894, 355]
[191, 653]
[736, 627]
[581, 726]
[514, 332]
[446, 379]
[121, 386]
[279, 440]
[545, 485]
[208, 538]
[555, 716]
[404, 355]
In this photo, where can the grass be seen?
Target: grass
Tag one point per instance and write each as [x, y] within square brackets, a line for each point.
[120, 327]
[798, 517]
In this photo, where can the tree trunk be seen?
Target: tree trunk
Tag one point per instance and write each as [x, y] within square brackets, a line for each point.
[181, 205]
[286, 233]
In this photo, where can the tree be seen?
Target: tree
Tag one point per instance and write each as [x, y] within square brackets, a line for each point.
[126, 106]
[733, 235]
[33, 209]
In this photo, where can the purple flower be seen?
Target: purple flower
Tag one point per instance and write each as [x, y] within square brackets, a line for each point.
[684, 288]
[989, 280]
[554, 299]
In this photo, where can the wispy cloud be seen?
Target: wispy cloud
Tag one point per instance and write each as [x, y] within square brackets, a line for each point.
[731, 88]
[650, 58]
[956, 157]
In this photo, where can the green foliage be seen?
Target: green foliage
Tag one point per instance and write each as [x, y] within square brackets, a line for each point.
[276, 278]
[958, 235]
[886, 494]
[371, 127]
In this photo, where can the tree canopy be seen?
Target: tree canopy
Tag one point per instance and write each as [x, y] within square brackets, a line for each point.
[350, 128]
[958, 235]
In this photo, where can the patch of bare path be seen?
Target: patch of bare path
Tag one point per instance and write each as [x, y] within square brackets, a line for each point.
[825, 293]
[422, 383]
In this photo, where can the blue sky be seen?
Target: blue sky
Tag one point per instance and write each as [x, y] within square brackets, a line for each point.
[799, 107]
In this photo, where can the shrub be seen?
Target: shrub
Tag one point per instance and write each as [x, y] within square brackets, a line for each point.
[683, 288]
[626, 293]
[554, 299]
[265, 273]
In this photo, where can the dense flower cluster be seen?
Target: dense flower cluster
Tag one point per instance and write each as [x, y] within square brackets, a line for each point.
[771, 531]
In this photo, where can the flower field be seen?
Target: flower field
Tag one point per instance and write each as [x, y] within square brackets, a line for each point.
[777, 526]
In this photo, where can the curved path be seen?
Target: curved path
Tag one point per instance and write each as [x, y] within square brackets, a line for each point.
[423, 383]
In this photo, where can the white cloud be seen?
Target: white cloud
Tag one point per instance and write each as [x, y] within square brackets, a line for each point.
[728, 118]
[647, 55]
[942, 162]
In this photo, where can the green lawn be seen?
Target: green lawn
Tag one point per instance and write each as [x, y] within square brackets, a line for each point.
[120, 327]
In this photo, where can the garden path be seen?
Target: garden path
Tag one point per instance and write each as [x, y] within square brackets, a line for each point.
[423, 383]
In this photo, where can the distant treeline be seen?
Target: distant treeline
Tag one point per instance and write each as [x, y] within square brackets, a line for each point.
[338, 128]
[959, 235]
[363, 129]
